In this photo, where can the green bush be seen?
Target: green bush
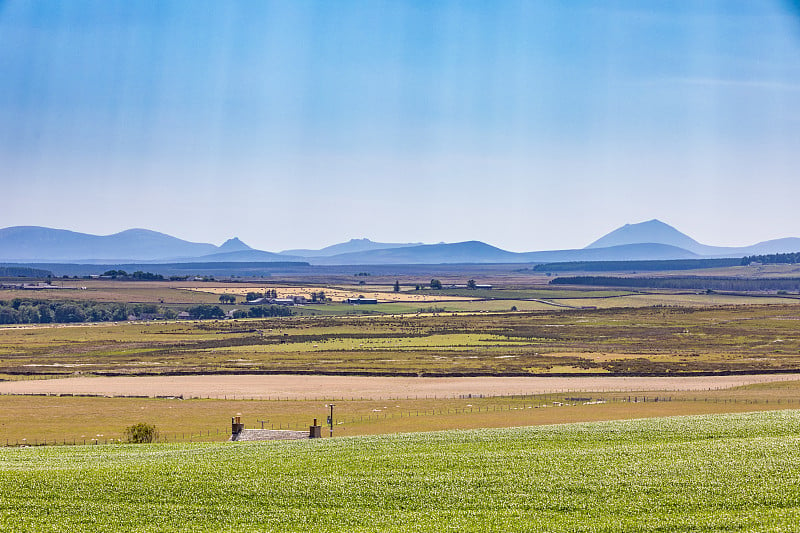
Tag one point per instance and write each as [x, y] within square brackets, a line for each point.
[141, 433]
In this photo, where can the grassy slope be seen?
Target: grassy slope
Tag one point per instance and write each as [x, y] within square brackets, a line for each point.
[706, 473]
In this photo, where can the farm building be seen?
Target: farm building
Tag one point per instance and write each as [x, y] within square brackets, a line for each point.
[361, 301]
[290, 300]
[251, 435]
[240, 434]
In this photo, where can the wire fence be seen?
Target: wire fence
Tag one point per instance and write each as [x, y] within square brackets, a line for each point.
[388, 397]
[504, 404]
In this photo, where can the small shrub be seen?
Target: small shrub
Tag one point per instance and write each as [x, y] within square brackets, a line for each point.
[141, 433]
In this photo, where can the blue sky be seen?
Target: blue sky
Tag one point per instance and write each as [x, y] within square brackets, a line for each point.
[528, 125]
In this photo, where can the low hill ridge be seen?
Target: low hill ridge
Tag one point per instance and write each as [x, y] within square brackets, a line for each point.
[351, 246]
[38, 243]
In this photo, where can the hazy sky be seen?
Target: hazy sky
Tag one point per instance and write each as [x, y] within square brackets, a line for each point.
[528, 125]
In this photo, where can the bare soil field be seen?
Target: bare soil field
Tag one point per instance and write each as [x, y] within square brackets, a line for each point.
[299, 387]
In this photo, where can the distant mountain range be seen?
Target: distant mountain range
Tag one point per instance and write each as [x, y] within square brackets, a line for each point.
[649, 240]
[656, 231]
[351, 246]
[479, 252]
[33, 243]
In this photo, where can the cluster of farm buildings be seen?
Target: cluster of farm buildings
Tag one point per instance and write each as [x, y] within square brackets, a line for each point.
[300, 300]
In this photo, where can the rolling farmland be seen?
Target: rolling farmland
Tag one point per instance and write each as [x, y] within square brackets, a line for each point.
[703, 473]
[495, 463]
[620, 341]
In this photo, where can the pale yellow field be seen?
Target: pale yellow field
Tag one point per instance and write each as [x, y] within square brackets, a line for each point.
[305, 387]
[335, 294]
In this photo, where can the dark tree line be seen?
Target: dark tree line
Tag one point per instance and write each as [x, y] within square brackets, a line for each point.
[701, 283]
[639, 266]
[263, 311]
[23, 272]
[31, 311]
[207, 311]
[138, 275]
[269, 293]
[772, 259]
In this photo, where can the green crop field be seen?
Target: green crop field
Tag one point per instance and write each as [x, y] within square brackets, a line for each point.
[705, 473]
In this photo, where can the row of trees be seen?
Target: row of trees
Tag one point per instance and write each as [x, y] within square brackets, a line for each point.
[138, 275]
[772, 259]
[648, 265]
[23, 272]
[207, 311]
[269, 293]
[318, 297]
[703, 283]
[29, 311]
[436, 285]
[263, 311]
[25, 311]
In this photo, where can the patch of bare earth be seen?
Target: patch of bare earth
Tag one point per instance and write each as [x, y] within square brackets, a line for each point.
[311, 387]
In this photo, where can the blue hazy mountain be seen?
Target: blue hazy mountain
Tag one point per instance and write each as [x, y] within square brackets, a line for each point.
[351, 246]
[655, 231]
[479, 252]
[27, 243]
[248, 256]
[649, 240]
[623, 252]
[233, 245]
[775, 246]
[652, 231]
[34, 243]
[460, 252]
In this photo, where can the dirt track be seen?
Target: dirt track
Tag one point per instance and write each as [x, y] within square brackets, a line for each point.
[312, 387]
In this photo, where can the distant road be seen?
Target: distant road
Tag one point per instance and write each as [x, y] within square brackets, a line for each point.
[313, 387]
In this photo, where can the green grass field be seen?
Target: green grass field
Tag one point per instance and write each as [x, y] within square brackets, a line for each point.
[705, 473]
